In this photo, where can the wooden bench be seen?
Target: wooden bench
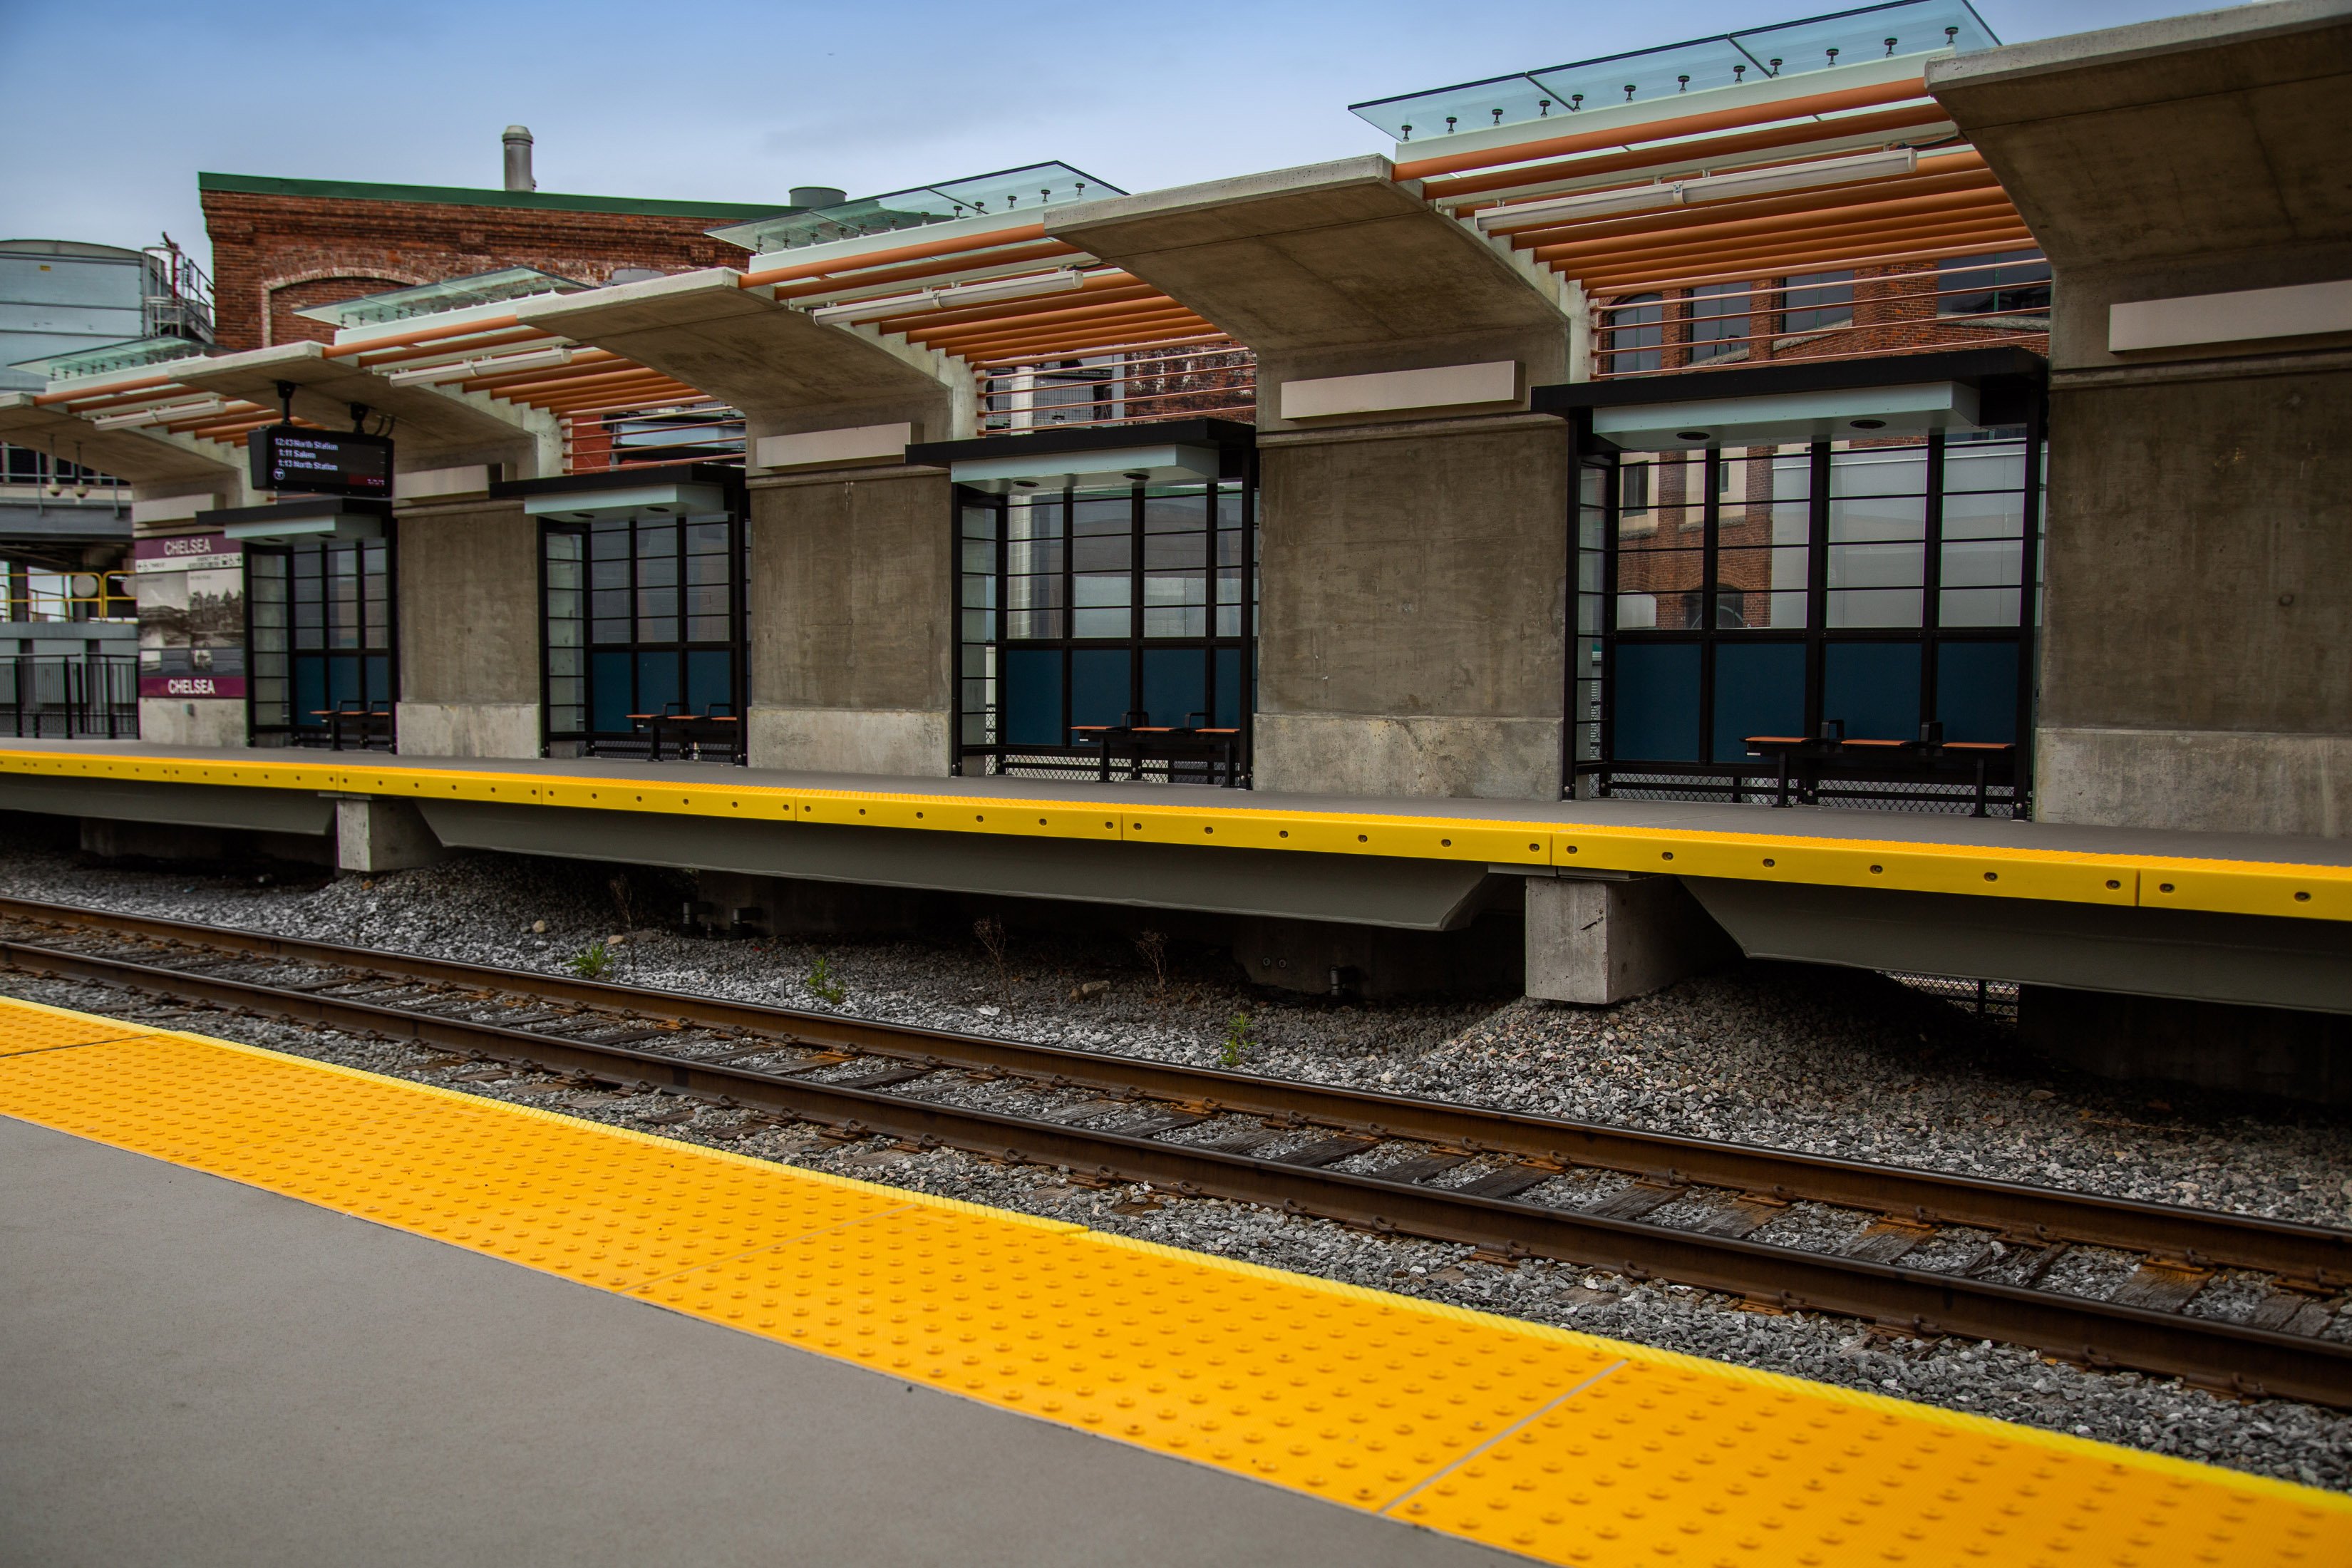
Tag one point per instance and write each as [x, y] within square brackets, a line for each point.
[371, 723]
[691, 731]
[1171, 744]
[1801, 759]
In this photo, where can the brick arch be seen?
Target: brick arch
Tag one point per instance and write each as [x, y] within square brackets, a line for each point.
[282, 296]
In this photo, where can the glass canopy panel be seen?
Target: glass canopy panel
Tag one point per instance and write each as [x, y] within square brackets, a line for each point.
[450, 294]
[1025, 189]
[109, 358]
[1787, 49]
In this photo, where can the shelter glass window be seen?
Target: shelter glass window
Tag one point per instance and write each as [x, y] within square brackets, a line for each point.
[1878, 534]
[321, 634]
[644, 615]
[1113, 603]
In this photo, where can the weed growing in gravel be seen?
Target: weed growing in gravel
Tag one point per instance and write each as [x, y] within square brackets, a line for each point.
[991, 932]
[1237, 1040]
[823, 986]
[591, 962]
[1154, 949]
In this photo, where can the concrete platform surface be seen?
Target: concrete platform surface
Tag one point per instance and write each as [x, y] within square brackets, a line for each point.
[198, 1372]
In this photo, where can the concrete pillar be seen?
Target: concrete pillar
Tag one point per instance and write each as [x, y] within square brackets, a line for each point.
[1598, 942]
[1414, 585]
[470, 630]
[374, 835]
[853, 623]
[2211, 1045]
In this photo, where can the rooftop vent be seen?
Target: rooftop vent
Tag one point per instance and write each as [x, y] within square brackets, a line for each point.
[518, 142]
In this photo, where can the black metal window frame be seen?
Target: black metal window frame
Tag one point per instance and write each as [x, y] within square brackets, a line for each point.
[737, 646]
[291, 554]
[984, 606]
[1589, 754]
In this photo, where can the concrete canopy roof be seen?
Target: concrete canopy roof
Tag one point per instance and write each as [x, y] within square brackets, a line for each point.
[2217, 132]
[142, 459]
[327, 387]
[737, 344]
[1328, 256]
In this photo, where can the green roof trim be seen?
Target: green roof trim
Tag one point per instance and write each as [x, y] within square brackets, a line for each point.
[455, 195]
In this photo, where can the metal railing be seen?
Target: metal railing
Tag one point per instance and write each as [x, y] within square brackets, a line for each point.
[1209, 378]
[70, 696]
[1818, 316]
[51, 598]
[701, 430]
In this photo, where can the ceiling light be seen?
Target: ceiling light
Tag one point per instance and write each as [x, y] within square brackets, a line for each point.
[1704, 188]
[465, 370]
[987, 291]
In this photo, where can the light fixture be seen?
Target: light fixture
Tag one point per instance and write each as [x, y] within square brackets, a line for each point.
[1690, 435]
[987, 291]
[139, 417]
[1883, 164]
[1868, 424]
[466, 369]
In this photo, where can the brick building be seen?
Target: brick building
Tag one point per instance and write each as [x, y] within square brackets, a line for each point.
[280, 246]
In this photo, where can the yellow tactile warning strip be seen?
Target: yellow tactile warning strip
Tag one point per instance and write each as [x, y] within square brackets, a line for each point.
[2225, 887]
[1561, 1446]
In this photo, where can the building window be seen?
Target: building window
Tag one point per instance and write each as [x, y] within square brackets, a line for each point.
[1719, 321]
[1080, 608]
[1637, 334]
[1817, 302]
[644, 615]
[2015, 282]
[321, 624]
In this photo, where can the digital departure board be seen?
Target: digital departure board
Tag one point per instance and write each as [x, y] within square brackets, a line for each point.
[320, 462]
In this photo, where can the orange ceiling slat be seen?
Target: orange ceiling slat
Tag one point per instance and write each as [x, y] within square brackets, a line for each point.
[1141, 302]
[1133, 335]
[504, 338]
[1763, 264]
[1042, 251]
[1735, 237]
[1692, 153]
[422, 335]
[1107, 329]
[895, 254]
[1206, 343]
[45, 399]
[1086, 294]
[1625, 135]
[1699, 214]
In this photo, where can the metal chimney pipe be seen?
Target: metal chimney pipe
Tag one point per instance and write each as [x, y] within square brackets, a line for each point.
[518, 144]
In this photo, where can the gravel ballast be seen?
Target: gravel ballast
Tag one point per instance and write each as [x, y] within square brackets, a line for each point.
[1850, 1065]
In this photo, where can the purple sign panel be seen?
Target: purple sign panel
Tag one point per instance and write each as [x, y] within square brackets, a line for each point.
[191, 593]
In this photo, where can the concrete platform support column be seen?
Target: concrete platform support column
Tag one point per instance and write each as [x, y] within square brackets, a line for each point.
[374, 835]
[2253, 1050]
[469, 622]
[2184, 178]
[1598, 942]
[852, 626]
[1414, 588]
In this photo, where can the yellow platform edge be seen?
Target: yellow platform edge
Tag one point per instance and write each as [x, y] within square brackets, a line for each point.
[1660, 1487]
[2285, 890]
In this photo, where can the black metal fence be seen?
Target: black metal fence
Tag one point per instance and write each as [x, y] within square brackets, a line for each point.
[69, 696]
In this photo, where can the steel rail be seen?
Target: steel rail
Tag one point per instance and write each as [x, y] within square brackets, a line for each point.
[2313, 1254]
[2254, 1361]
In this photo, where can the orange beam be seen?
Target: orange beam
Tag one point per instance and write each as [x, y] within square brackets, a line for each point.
[493, 382]
[422, 335]
[1043, 251]
[643, 403]
[1664, 130]
[1108, 339]
[43, 400]
[1890, 216]
[1693, 153]
[1121, 287]
[885, 258]
[1854, 195]
[1759, 263]
[553, 379]
[494, 340]
[169, 389]
[1092, 330]
[1744, 269]
[1141, 300]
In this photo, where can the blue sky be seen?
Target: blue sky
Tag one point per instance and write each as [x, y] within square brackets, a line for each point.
[120, 104]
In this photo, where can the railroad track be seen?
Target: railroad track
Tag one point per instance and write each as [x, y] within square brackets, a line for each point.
[1918, 1252]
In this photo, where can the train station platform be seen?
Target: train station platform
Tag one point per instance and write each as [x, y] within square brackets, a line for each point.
[199, 1370]
[2233, 918]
